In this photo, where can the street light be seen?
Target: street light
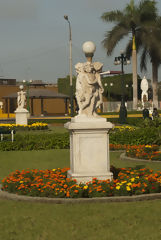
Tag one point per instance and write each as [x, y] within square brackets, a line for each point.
[108, 86]
[123, 60]
[27, 83]
[70, 65]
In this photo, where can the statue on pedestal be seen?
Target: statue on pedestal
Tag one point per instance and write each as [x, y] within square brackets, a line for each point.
[21, 99]
[144, 88]
[21, 112]
[89, 88]
[89, 133]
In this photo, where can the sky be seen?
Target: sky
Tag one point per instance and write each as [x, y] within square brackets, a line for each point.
[35, 37]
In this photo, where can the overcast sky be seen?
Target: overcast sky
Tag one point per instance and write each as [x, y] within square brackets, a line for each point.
[34, 36]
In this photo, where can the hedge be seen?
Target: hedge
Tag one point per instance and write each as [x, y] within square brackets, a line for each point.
[36, 142]
[25, 142]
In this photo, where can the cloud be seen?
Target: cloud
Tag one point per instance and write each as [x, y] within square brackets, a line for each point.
[18, 9]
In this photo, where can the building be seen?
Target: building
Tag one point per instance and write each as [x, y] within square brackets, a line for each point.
[44, 98]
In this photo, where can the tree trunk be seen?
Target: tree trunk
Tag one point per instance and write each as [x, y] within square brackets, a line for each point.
[155, 84]
[135, 82]
[134, 71]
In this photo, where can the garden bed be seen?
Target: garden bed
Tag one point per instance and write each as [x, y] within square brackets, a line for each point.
[147, 152]
[55, 184]
[134, 198]
[16, 127]
[124, 157]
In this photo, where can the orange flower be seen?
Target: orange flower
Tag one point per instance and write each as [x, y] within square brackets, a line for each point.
[67, 194]
[76, 191]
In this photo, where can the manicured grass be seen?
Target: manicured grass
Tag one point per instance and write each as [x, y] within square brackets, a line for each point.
[115, 160]
[116, 221]
[47, 159]
[40, 221]
[58, 129]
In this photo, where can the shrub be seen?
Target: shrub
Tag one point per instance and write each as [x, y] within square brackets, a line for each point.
[36, 142]
[135, 137]
[119, 137]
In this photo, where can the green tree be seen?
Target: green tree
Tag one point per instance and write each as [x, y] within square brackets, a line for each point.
[129, 21]
[151, 48]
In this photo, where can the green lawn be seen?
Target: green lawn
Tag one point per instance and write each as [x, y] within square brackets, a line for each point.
[47, 159]
[95, 221]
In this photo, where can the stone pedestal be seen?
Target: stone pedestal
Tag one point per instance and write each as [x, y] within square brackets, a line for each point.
[21, 116]
[89, 149]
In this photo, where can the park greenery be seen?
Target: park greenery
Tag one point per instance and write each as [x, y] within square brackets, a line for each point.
[144, 132]
[16, 127]
[44, 173]
[142, 22]
[113, 92]
[55, 184]
[35, 220]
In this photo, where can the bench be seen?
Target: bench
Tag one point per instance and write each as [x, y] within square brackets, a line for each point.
[4, 131]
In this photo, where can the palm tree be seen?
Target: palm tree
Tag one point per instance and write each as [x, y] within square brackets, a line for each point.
[151, 37]
[149, 44]
[129, 21]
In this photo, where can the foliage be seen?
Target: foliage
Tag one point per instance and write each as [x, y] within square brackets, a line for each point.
[64, 85]
[54, 183]
[150, 152]
[148, 135]
[16, 127]
[119, 135]
[136, 121]
[41, 218]
[48, 121]
[149, 123]
[116, 89]
[26, 142]
[143, 22]
[134, 19]
[122, 128]
[140, 105]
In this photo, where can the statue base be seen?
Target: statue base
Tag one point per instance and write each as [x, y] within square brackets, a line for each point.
[89, 148]
[21, 116]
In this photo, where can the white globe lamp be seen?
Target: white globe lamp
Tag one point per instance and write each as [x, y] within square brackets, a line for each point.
[21, 87]
[89, 48]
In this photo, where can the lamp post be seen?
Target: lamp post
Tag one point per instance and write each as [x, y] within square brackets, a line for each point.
[27, 83]
[123, 60]
[108, 86]
[70, 65]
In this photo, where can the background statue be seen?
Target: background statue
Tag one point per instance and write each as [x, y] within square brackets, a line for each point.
[21, 98]
[89, 88]
[144, 88]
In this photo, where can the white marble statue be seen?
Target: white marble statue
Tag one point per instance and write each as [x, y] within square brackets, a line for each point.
[89, 133]
[144, 88]
[1, 105]
[21, 99]
[89, 88]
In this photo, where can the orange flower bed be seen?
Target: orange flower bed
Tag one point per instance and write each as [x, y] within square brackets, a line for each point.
[150, 152]
[115, 147]
[54, 183]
